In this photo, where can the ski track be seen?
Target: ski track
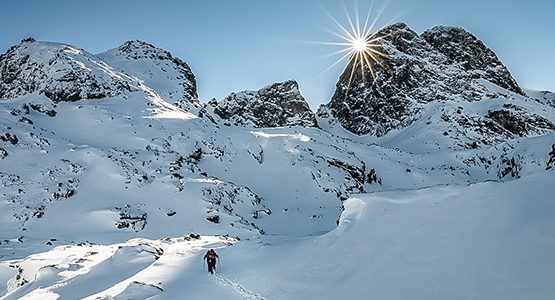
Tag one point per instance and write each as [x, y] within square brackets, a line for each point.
[241, 290]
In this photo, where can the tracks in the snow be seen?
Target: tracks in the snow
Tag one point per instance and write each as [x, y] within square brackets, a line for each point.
[248, 294]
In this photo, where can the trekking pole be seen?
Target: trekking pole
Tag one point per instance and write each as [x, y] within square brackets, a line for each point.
[219, 265]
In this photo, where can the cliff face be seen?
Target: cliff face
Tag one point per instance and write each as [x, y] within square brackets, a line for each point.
[276, 105]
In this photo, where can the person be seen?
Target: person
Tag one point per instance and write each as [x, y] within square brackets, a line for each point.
[210, 258]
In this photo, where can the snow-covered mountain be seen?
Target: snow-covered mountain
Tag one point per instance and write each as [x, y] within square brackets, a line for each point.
[169, 76]
[444, 82]
[114, 178]
[60, 72]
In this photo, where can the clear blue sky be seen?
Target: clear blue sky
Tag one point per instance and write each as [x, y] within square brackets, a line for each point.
[246, 44]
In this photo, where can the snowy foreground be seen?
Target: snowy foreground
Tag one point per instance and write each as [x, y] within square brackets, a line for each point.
[483, 241]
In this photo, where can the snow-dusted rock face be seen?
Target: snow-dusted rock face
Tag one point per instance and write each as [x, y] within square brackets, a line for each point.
[442, 64]
[463, 48]
[169, 76]
[276, 105]
[59, 71]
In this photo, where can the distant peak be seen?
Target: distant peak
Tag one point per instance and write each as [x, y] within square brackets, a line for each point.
[137, 43]
[133, 45]
[447, 30]
[399, 25]
[28, 40]
[396, 27]
[287, 84]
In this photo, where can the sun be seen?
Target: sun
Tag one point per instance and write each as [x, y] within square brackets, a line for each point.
[359, 43]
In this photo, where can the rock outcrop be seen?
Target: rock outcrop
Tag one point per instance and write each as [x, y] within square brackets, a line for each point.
[464, 49]
[276, 105]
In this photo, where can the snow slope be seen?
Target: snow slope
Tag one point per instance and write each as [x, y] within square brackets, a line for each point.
[545, 97]
[488, 240]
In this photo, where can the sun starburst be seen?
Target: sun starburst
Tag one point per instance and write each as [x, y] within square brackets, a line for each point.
[359, 42]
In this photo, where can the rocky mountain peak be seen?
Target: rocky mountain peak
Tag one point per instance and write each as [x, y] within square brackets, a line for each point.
[59, 71]
[462, 47]
[277, 105]
[169, 76]
[443, 64]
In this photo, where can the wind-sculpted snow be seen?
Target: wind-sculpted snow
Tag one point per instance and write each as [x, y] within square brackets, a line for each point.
[490, 239]
[135, 269]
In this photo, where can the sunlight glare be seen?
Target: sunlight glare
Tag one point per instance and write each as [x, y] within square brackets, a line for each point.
[359, 44]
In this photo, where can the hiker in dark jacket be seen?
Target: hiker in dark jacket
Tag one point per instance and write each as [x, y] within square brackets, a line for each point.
[210, 258]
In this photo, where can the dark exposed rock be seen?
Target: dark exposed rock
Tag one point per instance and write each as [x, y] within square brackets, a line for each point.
[26, 120]
[214, 219]
[63, 194]
[372, 177]
[3, 153]
[551, 162]
[195, 157]
[276, 105]
[511, 167]
[8, 137]
[375, 103]
[192, 236]
[518, 122]
[40, 108]
[462, 47]
[135, 222]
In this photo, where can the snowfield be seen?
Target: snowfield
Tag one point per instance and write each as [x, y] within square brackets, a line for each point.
[119, 196]
[488, 240]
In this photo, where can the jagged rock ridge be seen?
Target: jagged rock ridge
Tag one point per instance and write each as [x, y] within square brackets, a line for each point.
[276, 105]
[462, 47]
